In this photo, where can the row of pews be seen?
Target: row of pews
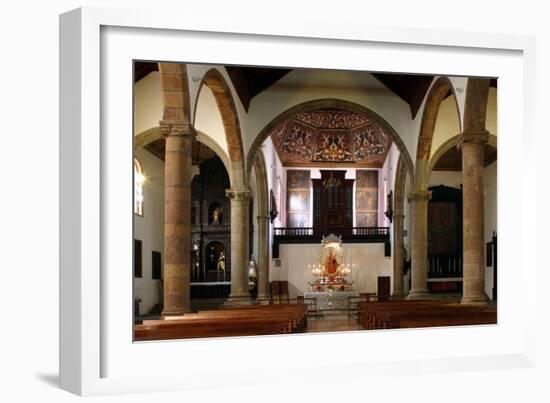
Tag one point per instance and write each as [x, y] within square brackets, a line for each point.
[249, 320]
[422, 313]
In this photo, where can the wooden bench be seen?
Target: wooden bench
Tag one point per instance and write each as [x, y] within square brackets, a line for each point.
[422, 313]
[242, 321]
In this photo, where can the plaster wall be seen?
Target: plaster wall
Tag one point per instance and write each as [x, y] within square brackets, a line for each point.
[368, 258]
[149, 229]
[148, 103]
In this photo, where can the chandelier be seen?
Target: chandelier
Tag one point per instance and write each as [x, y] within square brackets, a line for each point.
[331, 182]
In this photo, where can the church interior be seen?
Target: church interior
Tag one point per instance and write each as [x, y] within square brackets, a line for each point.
[286, 200]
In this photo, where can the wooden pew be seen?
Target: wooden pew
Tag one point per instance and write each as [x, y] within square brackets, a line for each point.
[424, 313]
[241, 321]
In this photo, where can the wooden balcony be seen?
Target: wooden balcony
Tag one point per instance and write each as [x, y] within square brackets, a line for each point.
[302, 235]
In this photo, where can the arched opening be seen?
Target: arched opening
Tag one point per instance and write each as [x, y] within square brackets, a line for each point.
[336, 104]
[215, 81]
[445, 212]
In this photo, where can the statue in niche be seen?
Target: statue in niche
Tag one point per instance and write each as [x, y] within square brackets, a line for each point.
[221, 265]
[215, 214]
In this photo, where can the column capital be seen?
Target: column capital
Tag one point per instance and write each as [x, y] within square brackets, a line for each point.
[475, 137]
[238, 195]
[168, 128]
[420, 195]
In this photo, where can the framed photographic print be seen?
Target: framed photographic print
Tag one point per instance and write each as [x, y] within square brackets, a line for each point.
[217, 115]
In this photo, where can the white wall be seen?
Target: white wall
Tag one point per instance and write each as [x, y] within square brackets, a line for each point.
[148, 103]
[447, 123]
[368, 258]
[149, 228]
[490, 218]
[208, 118]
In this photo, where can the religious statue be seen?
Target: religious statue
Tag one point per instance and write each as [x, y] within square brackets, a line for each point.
[221, 264]
[217, 216]
[252, 273]
[332, 270]
[331, 265]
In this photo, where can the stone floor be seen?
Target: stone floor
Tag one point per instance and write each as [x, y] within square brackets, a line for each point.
[332, 322]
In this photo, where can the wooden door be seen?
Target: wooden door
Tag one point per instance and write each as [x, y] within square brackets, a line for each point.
[383, 288]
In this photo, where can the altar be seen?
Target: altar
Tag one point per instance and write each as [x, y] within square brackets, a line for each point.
[331, 300]
[331, 289]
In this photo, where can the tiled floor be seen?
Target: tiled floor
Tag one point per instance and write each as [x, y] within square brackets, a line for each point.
[332, 322]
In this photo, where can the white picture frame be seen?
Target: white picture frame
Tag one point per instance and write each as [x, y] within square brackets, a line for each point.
[96, 353]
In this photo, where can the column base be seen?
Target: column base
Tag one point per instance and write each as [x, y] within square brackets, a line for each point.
[418, 294]
[180, 312]
[474, 300]
[262, 296]
[236, 300]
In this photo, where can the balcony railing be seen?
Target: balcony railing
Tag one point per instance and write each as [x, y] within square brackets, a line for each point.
[297, 235]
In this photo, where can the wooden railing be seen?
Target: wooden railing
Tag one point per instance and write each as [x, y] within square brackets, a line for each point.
[297, 235]
[360, 232]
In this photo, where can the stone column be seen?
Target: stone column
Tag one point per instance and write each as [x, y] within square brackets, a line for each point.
[177, 218]
[398, 257]
[263, 257]
[419, 247]
[472, 217]
[240, 200]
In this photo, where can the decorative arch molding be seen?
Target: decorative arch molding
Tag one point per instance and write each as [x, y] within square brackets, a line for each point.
[435, 97]
[399, 215]
[327, 103]
[153, 134]
[450, 143]
[475, 108]
[262, 233]
[217, 83]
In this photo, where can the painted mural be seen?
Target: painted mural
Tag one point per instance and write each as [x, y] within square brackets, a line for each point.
[329, 136]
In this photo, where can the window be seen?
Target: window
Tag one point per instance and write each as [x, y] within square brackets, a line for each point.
[139, 179]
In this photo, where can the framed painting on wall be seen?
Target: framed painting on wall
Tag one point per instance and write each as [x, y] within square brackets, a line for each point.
[99, 356]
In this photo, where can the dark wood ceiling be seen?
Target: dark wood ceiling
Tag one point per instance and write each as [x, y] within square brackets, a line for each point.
[250, 81]
[452, 159]
[142, 69]
[410, 88]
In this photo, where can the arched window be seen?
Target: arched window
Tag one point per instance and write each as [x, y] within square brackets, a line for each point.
[139, 179]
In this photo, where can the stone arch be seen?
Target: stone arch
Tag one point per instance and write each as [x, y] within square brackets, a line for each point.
[263, 224]
[399, 215]
[437, 94]
[214, 80]
[329, 103]
[475, 108]
[450, 143]
[153, 134]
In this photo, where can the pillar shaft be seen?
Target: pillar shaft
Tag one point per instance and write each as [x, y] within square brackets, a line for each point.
[240, 200]
[472, 218]
[398, 256]
[177, 219]
[419, 244]
[263, 257]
